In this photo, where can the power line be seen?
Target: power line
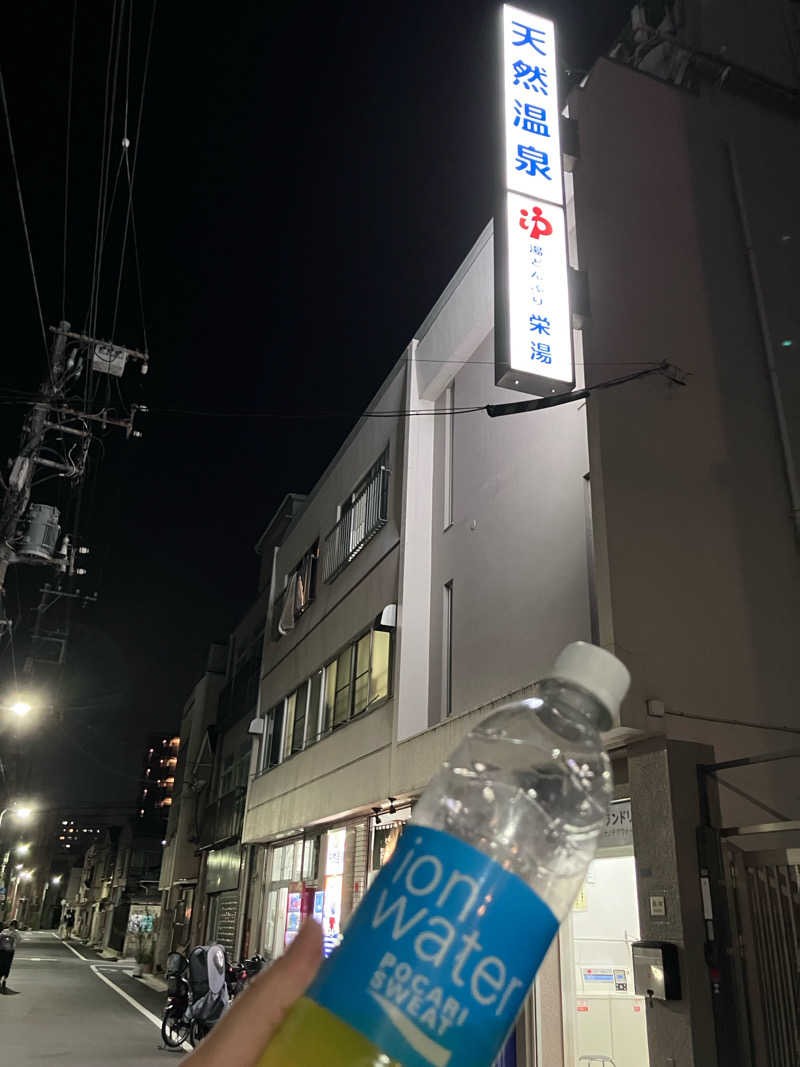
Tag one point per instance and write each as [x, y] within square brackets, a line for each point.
[109, 107]
[131, 173]
[22, 213]
[124, 158]
[66, 159]
[493, 410]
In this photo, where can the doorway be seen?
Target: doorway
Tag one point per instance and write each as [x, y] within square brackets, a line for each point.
[605, 1022]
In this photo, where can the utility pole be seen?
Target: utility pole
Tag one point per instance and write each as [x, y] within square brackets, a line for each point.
[29, 532]
[24, 466]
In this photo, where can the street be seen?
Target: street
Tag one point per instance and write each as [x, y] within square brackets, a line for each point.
[66, 1005]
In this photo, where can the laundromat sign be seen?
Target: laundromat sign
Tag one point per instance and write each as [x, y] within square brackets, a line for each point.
[618, 830]
[533, 330]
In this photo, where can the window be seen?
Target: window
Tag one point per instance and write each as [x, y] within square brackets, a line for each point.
[379, 676]
[447, 481]
[329, 697]
[291, 702]
[300, 712]
[226, 778]
[358, 502]
[314, 724]
[361, 515]
[344, 687]
[311, 859]
[361, 682]
[447, 649]
[352, 683]
[299, 592]
[273, 730]
[242, 769]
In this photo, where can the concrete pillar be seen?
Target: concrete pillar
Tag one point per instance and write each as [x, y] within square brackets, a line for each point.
[665, 811]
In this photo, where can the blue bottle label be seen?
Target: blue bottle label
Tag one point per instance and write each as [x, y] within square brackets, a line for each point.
[438, 957]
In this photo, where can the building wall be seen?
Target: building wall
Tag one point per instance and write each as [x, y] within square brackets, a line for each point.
[332, 776]
[361, 449]
[179, 859]
[516, 550]
[756, 34]
[692, 508]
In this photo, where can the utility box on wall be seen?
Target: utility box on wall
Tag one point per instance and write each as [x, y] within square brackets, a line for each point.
[656, 974]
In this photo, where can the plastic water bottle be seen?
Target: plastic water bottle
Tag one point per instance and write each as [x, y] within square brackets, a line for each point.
[437, 959]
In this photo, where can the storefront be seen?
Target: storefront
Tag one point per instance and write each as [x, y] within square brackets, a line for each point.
[602, 1015]
[223, 872]
[324, 874]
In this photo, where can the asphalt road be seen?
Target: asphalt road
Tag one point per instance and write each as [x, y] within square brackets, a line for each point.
[66, 1006]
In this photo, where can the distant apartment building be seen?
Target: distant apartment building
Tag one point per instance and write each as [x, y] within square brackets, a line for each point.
[159, 764]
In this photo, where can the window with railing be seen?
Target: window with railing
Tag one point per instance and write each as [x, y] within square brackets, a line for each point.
[350, 684]
[361, 516]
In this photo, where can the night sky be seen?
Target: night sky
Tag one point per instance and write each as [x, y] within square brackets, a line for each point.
[308, 179]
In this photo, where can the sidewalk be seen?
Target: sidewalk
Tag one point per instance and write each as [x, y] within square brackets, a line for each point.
[155, 982]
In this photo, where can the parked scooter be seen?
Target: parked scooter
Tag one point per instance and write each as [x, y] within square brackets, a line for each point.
[209, 996]
[195, 998]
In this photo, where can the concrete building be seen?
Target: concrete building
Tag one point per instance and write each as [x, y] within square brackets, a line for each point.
[159, 763]
[453, 555]
[426, 606]
[180, 866]
[205, 870]
[225, 759]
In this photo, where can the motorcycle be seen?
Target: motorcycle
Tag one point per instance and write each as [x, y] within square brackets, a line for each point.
[239, 974]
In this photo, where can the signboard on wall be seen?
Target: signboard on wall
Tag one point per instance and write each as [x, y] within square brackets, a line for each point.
[533, 329]
[618, 830]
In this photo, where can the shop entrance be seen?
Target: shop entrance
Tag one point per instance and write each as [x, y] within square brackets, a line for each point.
[605, 1021]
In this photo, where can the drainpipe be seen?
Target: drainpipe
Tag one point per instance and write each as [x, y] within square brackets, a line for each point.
[769, 353]
[244, 895]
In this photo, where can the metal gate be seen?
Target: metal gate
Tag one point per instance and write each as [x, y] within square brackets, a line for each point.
[751, 905]
[223, 920]
[766, 925]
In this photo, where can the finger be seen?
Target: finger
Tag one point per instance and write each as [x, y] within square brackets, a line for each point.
[241, 1035]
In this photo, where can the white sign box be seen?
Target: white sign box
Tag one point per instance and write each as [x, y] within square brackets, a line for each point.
[530, 107]
[540, 330]
[533, 326]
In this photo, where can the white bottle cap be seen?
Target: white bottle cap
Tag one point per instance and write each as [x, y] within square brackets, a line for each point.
[596, 670]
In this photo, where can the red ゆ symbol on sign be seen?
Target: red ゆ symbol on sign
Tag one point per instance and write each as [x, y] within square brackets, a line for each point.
[539, 225]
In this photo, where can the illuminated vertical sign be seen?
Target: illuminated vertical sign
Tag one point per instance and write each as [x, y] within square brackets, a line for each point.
[533, 328]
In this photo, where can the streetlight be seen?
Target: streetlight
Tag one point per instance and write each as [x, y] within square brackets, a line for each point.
[22, 849]
[21, 708]
[20, 813]
[56, 880]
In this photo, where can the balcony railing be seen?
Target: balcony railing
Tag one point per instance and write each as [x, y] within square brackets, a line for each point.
[222, 820]
[357, 526]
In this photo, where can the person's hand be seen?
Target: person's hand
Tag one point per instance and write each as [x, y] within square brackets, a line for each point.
[243, 1033]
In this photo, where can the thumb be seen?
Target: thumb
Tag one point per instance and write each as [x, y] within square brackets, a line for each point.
[241, 1035]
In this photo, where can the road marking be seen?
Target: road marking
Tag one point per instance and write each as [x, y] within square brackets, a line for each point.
[134, 1003]
[117, 965]
[80, 957]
